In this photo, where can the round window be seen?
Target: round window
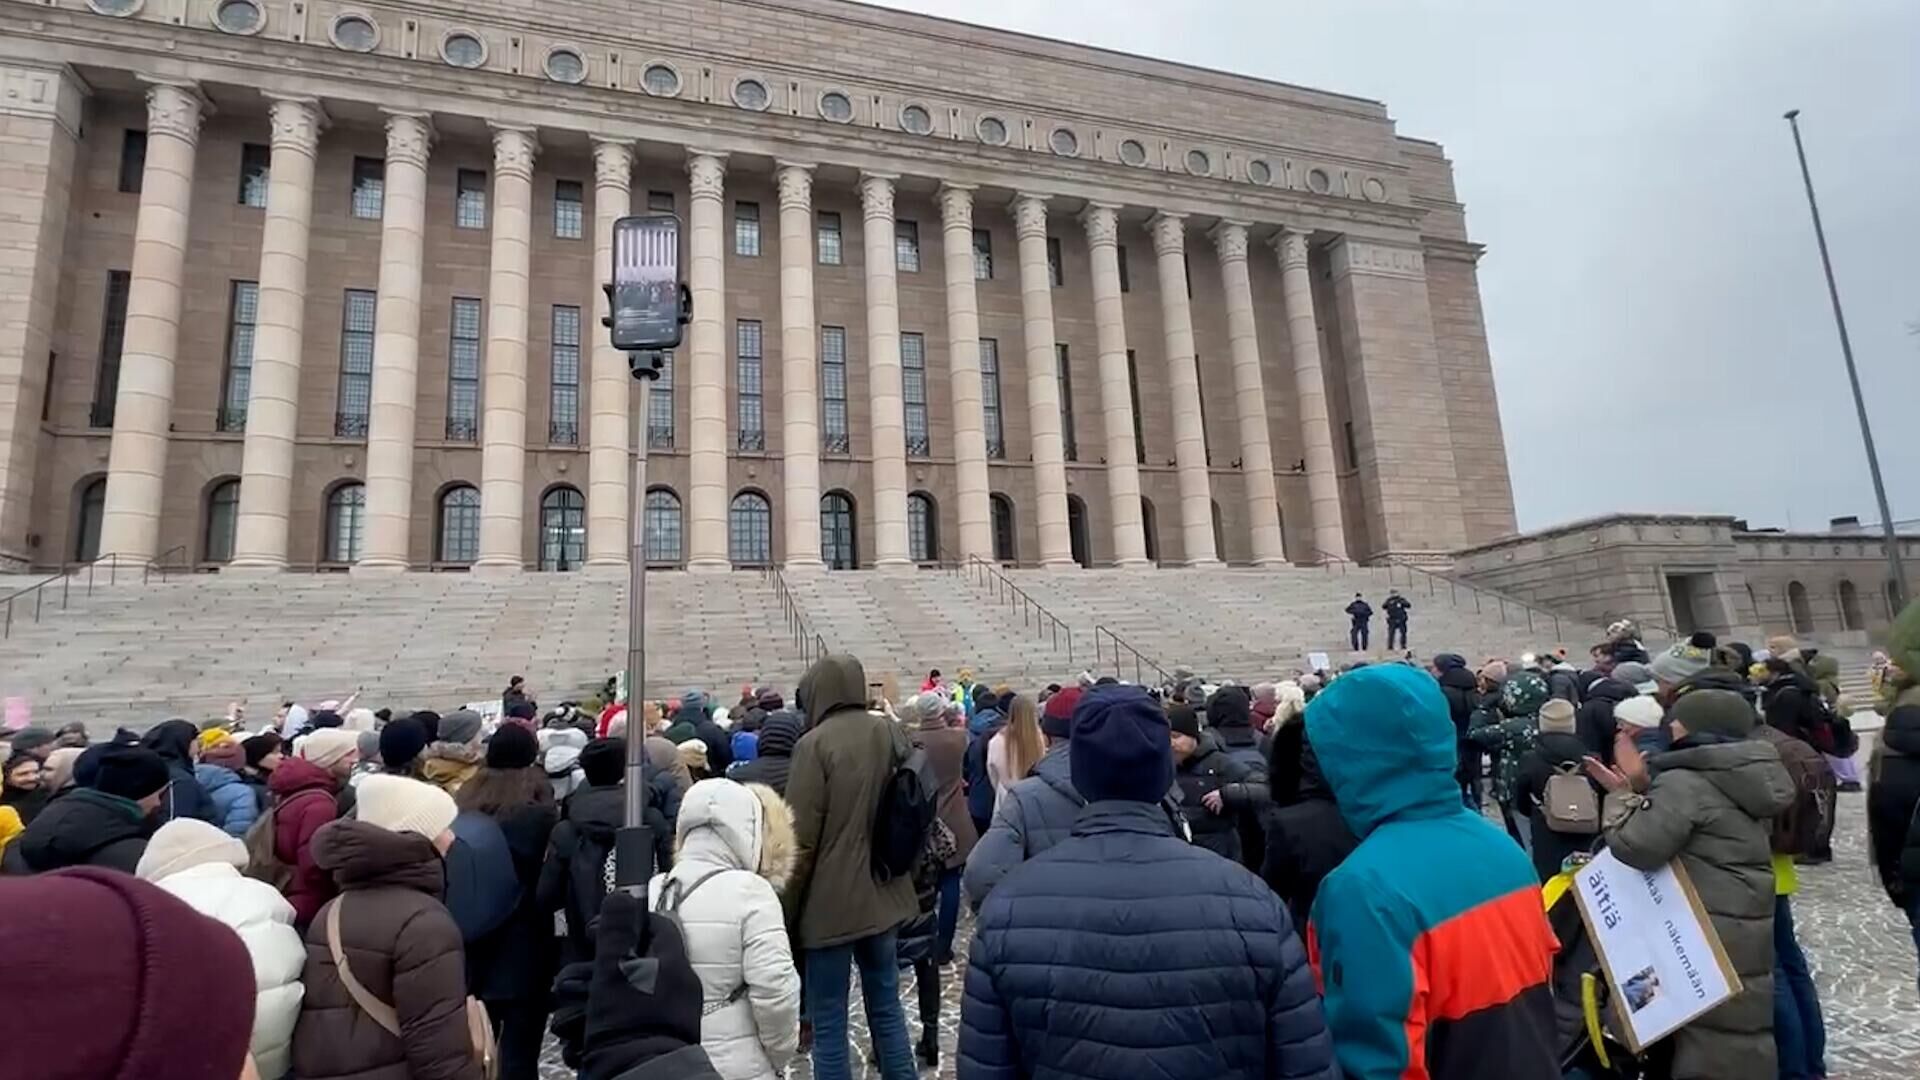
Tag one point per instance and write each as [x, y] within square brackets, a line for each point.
[917, 120]
[992, 131]
[354, 33]
[1374, 190]
[116, 7]
[1319, 182]
[1133, 152]
[751, 94]
[836, 106]
[1064, 142]
[238, 16]
[1259, 172]
[660, 80]
[1198, 163]
[566, 65]
[462, 49]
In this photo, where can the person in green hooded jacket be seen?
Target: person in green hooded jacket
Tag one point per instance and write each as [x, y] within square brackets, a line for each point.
[1893, 772]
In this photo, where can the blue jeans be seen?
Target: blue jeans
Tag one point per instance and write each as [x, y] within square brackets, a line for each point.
[826, 996]
[1799, 1031]
[949, 914]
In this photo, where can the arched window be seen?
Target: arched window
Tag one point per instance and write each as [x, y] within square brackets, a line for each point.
[1077, 531]
[1219, 533]
[459, 524]
[1151, 529]
[92, 503]
[663, 527]
[1798, 608]
[563, 529]
[750, 530]
[223, 512]
[1005, 549]
[346, 521]
[1850, 607]
[923, 528]
[836, 531]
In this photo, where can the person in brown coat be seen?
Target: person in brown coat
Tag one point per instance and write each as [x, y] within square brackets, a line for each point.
[400, 945]
[942, 733]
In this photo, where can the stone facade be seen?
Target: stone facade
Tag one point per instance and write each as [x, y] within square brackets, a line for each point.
[1266, 282]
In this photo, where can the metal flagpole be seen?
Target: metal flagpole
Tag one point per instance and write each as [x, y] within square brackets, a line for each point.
[636, 796]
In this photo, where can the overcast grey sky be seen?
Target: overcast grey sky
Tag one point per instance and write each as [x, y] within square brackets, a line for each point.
[1661, 333]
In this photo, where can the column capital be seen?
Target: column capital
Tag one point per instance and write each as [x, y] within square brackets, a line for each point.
[1030, 214]
[514, 149]
[176, 109]
[297, 122]
[796, 185]
[1290, 244]
[1102, 222]
[409, 136]
[706, 173]
[1230, 240]
[956, 205]
[876, 195]
[1169, 232]
[612, 163]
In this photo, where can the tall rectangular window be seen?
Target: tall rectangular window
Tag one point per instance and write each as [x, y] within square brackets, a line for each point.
[913, 392]
[746, 230]
[1139, 425]
[660, 406]
[827, 228]
[133, 160]
[982, 255]
[255, 163]
[1353, 448]
[563, 410]
[1068, 444]
[1056, 269]
[369, 188]
[356, 363]
[470, 199]
[659, 202]
[1126, 279]
[1200, 392]
[749, 409]
[833, 390]
[906, 246]
[463, 371]
[113, 338]
[990, 423]
[243, 307]
[568, 199]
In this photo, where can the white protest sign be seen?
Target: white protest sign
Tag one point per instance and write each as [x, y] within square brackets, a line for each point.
[1317, 661]
[1661, 955]
[488, 710]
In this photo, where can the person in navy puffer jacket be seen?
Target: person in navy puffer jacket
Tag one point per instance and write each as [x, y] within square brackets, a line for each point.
[1125, 951]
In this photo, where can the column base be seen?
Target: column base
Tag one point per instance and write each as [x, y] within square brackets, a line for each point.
[709, 566]
[1203, 564]
[1273, 562]
[606, 571]
[894, 565]
[604, 562]
[498, 568]
[243, 566]
[1141, 563]
[804, 567]
[377, 568]
[1059, 564]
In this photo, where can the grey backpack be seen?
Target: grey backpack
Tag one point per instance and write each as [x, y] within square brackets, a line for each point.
[1569, 804]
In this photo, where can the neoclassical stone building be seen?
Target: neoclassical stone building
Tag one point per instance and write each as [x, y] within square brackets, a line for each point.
[312, 283]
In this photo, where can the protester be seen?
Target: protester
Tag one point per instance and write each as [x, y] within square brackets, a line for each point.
[402, 743]
[1202, 771]
[177, 743]
[1427, 970]
[574, 878]
[105, 823]
[919, 943]
[1707, 803]
[400, 945]
[774, 752]
[841, 913]
[939, 732]
[1557, 749]
[1305, 836]
[560, 760]
[1361, 614]
[694, 756]
[235, 803]
[1230, 722]
[515, 695]
[1181, 965]
[1600, 695]
[1504, 727]
[1794, 706]
[1397, 609]
[1893, 772]
[1015, 748]
[1463, 693]
[985, 722]
[264, 753]
[695, 712]
[735, 851]
[1799, 1028]
[56, 773]
[455, 754]
[303, 801]
[202, 865]
[24, 789]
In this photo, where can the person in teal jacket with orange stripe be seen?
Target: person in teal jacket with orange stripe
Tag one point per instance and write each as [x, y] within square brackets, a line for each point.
[1430, 941]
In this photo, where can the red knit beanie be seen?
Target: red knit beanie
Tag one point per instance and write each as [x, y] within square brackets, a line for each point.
[107, 977]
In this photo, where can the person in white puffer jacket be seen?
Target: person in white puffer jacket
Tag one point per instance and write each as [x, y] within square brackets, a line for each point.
[201, 865]
[734, 852]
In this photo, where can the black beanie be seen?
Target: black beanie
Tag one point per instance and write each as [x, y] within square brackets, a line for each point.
[521, 710]
[401, 742]
[1119, 748]
[324, 718]
[259, 746]
[1229, 707]
[428, 719]
[512, 747]
[131, 773]
[603, 761]
[1183, 719]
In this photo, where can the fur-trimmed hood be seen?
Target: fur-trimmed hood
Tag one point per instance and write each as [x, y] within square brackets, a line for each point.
[737, 826]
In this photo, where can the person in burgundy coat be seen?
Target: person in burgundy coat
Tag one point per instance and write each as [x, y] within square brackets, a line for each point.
[303, 800]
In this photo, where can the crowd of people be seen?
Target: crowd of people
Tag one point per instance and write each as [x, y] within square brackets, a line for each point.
[1337, 873]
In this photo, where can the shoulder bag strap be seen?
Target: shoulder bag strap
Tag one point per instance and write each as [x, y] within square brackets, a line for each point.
[672, 895]
[381, 1012]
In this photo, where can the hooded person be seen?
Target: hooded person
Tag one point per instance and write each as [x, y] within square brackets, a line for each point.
[1202, 773]
[1181, 965]
[695, 715]
[573, 879]
[1893, 772]
[455, 754]
[236, 805]
[945, 743]
[734, 846]
[1594, 722]
[1462, 693]
[774, 751]
[176, 743]
[56, 773]
[304, 799]
[1708, 802]
[989, 716]
[1426, 971]
[105, 823]
[560, 758]
[1305, 837]
[203, 866]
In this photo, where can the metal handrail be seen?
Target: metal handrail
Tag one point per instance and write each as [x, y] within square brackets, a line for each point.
[1033, 614]
[1141, 661]
[810, 644]
[160, 567]
[68, 572]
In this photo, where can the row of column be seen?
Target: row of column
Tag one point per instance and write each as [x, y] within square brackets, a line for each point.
[137, 458]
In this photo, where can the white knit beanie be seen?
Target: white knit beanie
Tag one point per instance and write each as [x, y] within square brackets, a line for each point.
[360, 720]
[400, 805]
[1640, 711]
[327, 746]
[188, 842]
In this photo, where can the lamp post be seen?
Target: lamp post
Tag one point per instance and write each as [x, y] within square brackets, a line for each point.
[1897, 573]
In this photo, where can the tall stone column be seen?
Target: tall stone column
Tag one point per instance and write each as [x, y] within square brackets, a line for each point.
[707, 365]
[1310, 396]
[1183, 380]
[1256, 451]
[607, 437]
[1116, 392]
[143, 403]
[885, 397]
[799, 369]
[963, 358]
[273, 399]
[503, 398]
[396, 347]
[1043, 382]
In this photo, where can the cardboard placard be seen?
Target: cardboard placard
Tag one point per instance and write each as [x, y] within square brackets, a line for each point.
[1663, 960]
[884, 688]
[1318, 661]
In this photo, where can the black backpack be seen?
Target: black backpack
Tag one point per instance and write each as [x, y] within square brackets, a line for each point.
[904, 817]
